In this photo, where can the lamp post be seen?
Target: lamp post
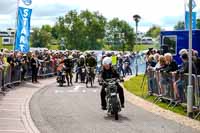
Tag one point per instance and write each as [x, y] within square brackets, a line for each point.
[136, 18]
[190, 87]
[62, 43]
[123, 41]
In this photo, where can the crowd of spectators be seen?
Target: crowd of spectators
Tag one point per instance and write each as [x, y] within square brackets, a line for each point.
[169, 73]
[18, 66]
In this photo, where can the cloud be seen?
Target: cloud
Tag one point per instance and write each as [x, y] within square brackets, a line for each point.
[159, 12]
[7, 6]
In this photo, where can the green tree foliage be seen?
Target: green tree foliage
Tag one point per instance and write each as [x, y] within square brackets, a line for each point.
[119, 33]
[198, 23]
[83, 31]
[154, 31]
[179, 26]
[40, 37]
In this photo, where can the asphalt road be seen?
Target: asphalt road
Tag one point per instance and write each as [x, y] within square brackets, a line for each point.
[76, 109]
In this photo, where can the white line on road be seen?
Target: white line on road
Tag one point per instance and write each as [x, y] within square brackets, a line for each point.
[13, 119]
[11, 103]
[14, 131]
[10, 110]
[13, 98]
[77, 88]
[59, 91]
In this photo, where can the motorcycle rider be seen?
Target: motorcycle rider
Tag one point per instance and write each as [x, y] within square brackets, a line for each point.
[127, 67]
[107, 73]
[120, 65]
[91, 61]
[80, 63]
[68, 63]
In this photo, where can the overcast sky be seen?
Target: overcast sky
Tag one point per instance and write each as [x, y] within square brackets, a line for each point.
[165, 13]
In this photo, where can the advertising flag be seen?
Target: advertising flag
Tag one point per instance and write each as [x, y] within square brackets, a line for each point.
[187, 14]
[23, 26]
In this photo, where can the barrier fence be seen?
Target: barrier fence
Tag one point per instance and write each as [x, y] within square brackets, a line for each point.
[172, 87]
[11, 75]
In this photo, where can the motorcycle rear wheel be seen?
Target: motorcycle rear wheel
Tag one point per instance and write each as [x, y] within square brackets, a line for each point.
[60, 84]
[116, 115]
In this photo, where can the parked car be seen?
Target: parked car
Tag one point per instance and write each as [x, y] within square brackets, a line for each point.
[147, 40]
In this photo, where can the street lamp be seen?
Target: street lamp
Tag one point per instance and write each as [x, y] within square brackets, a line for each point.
[190, 87]
[122, 40]
[62, 43]
[136, 19]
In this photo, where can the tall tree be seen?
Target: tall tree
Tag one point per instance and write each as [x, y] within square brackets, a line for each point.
[119, 33]
[198, 23]
[180, 26]
[40, 38]
[154, 31]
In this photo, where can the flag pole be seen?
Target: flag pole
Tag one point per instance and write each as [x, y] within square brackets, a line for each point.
[16, 22]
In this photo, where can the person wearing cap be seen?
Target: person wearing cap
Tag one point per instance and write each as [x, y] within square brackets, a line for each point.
[107, 73]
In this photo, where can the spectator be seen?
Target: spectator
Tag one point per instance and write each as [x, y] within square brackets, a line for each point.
[35, 67]
[196, 60]
[171, 65]
[179, 84]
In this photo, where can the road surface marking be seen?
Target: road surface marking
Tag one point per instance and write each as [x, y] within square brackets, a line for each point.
[11, 103]
[15, 131]
[77, 88]
[59, 91]
[10, 110]
[13, 119]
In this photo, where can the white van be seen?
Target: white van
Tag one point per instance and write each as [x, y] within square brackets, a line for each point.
[147, 40]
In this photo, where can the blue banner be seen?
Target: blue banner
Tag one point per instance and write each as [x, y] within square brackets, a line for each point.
[23, 30]
[187, 20]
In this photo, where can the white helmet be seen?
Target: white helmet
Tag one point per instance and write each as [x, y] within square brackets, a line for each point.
[107, 61]
[70, 57]
[82, 56]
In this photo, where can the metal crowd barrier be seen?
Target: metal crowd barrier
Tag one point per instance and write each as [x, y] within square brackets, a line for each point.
[15, 74]
[198, 95]
[172, 87]
[47, 68]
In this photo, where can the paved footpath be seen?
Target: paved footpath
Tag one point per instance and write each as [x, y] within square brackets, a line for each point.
[14, 108]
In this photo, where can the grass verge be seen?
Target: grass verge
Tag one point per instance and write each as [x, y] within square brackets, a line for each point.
[134, 86]
[141, 47]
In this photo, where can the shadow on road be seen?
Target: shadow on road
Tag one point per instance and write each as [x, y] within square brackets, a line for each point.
[121, 118]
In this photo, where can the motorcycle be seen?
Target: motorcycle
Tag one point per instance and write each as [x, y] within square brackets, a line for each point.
[82, 74]
[89, 76]
[61, 78]
[113, 102]
[127, 69]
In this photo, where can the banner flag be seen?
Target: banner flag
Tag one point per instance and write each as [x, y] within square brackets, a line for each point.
[23, 26]
[187, 15]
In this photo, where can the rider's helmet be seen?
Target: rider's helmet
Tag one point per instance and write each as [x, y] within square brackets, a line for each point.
[70, 57]
[107, 61]
[82, 57]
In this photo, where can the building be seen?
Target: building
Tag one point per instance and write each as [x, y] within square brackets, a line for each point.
[7, 37]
